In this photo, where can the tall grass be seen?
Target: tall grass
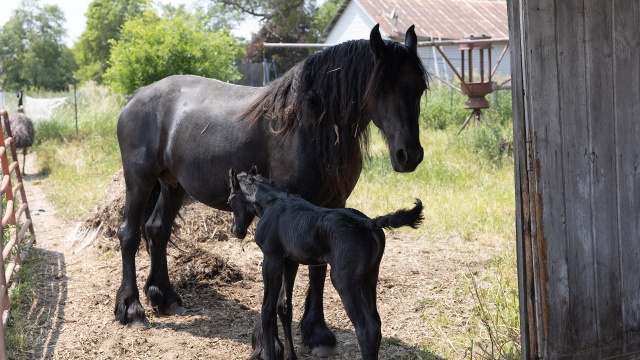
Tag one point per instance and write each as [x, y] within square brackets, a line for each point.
[78, 158]
[465, 182]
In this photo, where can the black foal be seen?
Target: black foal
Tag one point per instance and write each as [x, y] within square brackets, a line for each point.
[292, 231]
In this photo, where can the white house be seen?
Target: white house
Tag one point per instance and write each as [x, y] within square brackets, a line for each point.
[433, 20]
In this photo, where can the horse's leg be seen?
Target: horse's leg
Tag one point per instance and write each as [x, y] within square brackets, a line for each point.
[314, 331]
[285, 309]
[370, 283]
[367, 328]
[272, 271]
[369, 294]
[128, 309]
[158, 288]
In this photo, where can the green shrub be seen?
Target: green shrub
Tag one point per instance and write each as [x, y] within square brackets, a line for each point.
[443, 107]
[151, 48]
[489, 141]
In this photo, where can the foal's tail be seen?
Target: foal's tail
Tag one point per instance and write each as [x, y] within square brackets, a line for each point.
[405, 217]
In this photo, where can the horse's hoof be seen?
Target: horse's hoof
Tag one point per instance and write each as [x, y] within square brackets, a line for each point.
[175, 309]
[324, 351]
[139, 324]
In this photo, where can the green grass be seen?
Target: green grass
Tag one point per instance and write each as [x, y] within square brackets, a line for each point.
[19, 331]
[465, 182]
[462, 190]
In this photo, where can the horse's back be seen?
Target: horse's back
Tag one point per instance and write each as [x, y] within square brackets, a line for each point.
[187, 129]
[180, 92]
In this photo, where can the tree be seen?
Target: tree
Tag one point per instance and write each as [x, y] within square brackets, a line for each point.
[153, 47]
[104, 22]
[320, 19]
[32, 50]
[296, 21]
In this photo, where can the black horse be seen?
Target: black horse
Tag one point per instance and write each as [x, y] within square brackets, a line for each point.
[292, 231]
[181, 135]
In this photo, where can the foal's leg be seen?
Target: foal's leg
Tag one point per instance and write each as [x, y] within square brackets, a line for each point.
[367, 327]
[369, 295]
[158, 288]
[128, 309]
[315, 333]
[370, 283]
[272, 271]
[285, 309]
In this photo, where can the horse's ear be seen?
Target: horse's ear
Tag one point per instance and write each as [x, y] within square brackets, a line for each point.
[411, 40]
[233, 179]
[376, 42]
[254, 170]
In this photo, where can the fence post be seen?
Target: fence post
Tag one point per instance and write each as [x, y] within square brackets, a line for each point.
[75, 102]
[11, 218]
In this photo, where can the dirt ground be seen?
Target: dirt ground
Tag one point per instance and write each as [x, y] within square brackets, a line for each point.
[218, 278]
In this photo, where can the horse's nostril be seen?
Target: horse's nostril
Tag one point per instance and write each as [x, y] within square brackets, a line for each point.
[401, 156]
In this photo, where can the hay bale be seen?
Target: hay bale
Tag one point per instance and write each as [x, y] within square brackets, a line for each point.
[196, 222]
[108, 212]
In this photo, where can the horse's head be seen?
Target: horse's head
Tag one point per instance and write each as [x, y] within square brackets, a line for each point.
[396, 86]
[242, 207]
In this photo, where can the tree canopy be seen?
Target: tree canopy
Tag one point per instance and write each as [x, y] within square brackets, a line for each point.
[32, 50]
[152, 47]
[104, 21]
[294, 21]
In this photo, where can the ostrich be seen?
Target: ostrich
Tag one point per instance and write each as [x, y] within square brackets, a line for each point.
[21, 129]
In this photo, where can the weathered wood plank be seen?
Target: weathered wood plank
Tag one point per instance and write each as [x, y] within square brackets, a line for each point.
[600, 95]
[575, 129]
[549, 252]
[626, 50]
[580, 76]
[528, 321]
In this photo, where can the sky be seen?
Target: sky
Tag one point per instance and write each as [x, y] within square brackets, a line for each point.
[75, 10]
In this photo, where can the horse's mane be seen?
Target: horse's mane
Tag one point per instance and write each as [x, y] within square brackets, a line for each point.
[334, 91]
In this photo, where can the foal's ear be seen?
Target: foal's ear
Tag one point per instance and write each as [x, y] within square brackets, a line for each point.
[233, 179]
[411, 39]
[376, 42]
[254, 170]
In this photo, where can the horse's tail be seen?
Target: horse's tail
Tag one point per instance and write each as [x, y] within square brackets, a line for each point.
[148, 210]
[405, 217]
[257, 343]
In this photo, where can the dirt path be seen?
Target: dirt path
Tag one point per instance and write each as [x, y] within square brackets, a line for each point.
[219, 282]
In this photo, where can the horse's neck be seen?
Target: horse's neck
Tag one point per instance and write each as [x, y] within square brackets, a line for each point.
[266, 198]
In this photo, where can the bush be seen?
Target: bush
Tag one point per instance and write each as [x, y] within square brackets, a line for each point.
[443, 107]
[491, 142]
[151, 48]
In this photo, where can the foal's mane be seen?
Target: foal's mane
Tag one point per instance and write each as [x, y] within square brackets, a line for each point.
[333, 91]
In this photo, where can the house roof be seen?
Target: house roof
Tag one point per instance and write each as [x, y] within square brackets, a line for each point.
[448, 19]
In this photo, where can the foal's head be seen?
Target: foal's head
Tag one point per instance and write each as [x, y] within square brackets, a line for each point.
[242, 200]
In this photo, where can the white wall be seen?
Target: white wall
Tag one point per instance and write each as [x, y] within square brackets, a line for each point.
[354, 24]
[453, 54]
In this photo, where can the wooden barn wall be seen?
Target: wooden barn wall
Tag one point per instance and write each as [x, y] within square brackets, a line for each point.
[576, 91]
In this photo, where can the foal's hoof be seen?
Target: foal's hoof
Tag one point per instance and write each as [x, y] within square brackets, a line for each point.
[324, 351]
[139, 324]
[175, 309]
